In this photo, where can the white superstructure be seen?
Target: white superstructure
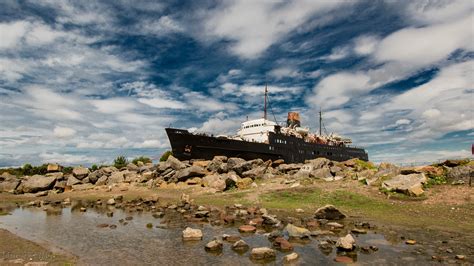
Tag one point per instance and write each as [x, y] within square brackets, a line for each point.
[256, 130]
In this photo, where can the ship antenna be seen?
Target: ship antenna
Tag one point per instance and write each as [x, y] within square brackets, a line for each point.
[265, 108]
[320, 121]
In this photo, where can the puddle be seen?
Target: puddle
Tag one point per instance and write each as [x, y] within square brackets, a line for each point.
[134, 244]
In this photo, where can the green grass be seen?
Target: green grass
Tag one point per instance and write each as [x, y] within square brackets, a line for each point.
[405, 213]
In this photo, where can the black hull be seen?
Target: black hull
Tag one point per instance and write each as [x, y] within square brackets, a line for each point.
[186, 146]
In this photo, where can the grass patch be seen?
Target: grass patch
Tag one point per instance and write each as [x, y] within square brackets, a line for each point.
[404, 212]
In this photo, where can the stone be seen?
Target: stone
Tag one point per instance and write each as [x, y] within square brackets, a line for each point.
[186, 173]
[102, 180]
[346, 243]
[319, 162]
[214, 181]
[270, 220]
[192, 234]
[408, 184]
[240, 246]
[111, 202]
[365, 174]
[263, 253]
[231, 238]
[410, 242]
[329, 212]
[282, 244]
[296, 232]
[116, 177]
[460, 173]
[214, 245]
[247, 229]
[359, 231]
[36, 183]
[335, 225]
[216, 163]
[9, 185]
[149, 225]
[80, 172]
[290, 257]
[285, 168]
[454, 163]
[460, 257]
[244, 183]
[52, 167]
[132, 167]
[71, 180]
[277, 162]
[174, 163]
[233, 161]
[323, 173]
[108, 170]
[255, 173]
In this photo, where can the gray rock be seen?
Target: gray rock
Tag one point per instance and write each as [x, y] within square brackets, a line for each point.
[319, 162]
[193, 171]
[214, 245]
[240, 246]
[408, 184]
[9, 185]
[216, 164]
[132, 176]
[60, 185]
[36, 183]
[71, 180]
[192, 234]
[322, 173]
[285, 168]
[346, 243]
[263, 253]
[233, 161]
[174, 163]
[102, 180]
[460, 173]
[116, 177]
[255, 173]
[108, 170]
[214, 181]
[57, 175]
[329, 212]
[132, 167]
[94, 176]
[80, 172]
[297, 232]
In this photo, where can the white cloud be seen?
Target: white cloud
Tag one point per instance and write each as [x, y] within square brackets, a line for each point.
[114, 105]
[402, 121]
[284, 72]
[12, 33]
[338, 53]
[365, 45]
[220, 126]
[151, 143]
[66, 159]
[255, 25]
[164, 25]
[63, 132]
[162, 103]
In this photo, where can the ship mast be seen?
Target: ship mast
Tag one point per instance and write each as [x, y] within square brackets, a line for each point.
[265, 108]
[320, 122]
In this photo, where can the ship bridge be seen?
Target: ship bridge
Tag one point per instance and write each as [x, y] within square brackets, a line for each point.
[256, 130]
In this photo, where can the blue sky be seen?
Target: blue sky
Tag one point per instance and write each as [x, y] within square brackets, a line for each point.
[82, 82]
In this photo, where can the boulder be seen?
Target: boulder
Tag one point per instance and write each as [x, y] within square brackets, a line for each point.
[323, 173]
[319, 162]
[240, 246]
[285, 168]
[214, 245]
[214, 181]
[52, 167]
[255, 173]
[346, 243]
[192, 234]
[233, 161]
[365, 174]
[174, 163]
[9, 185]
[193, 171]
[282, 244]
[36, 183]
[462, 173]
[60, 185]
[297, 232]
[57, 175]
[454, 163]
[262, 253]
[116, 177]
[431, 171]
[108, 170]
[200, 163]
[329, 212]
[132, 167]
[216, 163]
[71, 180]
[244, 183]
[102, 180]
[247, 228]
[408, 184]
[277, 162]
[290, 257]
[80, 172]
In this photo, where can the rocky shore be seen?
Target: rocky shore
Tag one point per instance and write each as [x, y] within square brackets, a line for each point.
[223, 174]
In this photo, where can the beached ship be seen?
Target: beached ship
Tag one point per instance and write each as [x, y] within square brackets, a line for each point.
[265, 139]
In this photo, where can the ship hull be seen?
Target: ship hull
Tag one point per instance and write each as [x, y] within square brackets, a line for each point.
[186, 146]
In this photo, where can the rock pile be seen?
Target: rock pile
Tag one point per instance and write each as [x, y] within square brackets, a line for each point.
[222, 173]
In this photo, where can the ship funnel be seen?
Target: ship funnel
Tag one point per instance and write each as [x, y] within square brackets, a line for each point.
[293, 120]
